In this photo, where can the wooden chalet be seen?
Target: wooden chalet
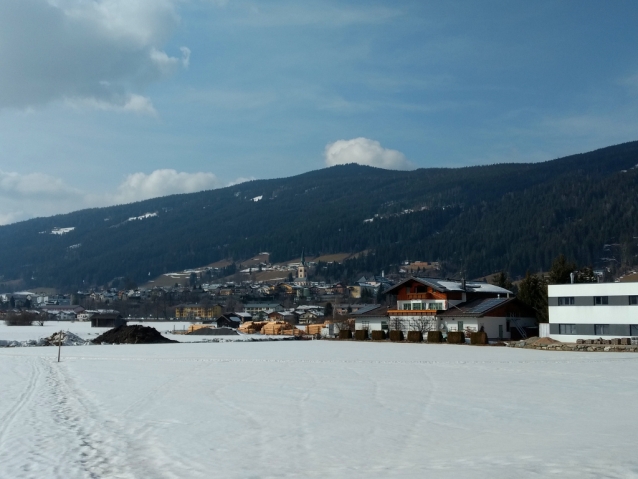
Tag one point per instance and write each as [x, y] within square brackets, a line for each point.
[431, 304]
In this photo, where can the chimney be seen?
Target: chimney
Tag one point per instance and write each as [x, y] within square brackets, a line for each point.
[571, 276]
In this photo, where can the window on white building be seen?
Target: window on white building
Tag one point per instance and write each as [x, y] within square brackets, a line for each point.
[601, 300]
[417, 306]
[407, 306]
[634, 330]
[633, 299]
[568, 301]
[566, 329]
[601, 329]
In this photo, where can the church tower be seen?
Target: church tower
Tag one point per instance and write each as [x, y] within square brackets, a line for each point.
[302, 271]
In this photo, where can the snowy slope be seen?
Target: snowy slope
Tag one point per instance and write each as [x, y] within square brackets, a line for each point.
[316, 409]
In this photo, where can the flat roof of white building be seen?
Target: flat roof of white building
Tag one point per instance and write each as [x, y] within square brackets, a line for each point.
[592, 289]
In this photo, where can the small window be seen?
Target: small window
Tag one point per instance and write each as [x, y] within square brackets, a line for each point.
[507, 326]
[566, 329]
[568, 301]
[601, 329]
[417, 306]
[407, 306]
[601, 300]
[634, 330]
[633, 299]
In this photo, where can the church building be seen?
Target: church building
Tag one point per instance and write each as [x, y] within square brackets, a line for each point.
[302, 272]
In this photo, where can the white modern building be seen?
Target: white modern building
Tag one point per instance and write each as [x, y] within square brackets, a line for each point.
[593, 311]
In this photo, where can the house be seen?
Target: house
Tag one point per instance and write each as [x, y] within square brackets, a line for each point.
[85, 315]
[255, 308]
[286, 316]
[244, 316]
[592, 311]
[311, 316]
[229, 320]
[198, 311]
[372, 322]
[500, 318]
[107, 320]
[431, 304]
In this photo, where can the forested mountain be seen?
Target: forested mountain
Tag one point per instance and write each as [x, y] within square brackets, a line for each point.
[481, 219]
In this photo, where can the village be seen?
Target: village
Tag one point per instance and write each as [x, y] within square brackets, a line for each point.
[396, 307]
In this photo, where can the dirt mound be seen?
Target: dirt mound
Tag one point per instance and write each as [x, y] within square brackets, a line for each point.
[213, 332]
[135, 334]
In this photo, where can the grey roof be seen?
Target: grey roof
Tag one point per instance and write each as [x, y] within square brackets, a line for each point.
[262, 305]
[478, 307]
[375, 318]
[366, 309]
[447, 285]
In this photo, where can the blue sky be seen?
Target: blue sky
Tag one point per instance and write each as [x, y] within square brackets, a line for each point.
[104, 102]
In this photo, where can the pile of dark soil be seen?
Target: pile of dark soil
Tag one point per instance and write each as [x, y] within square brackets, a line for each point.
[214, 332]
[135, 334]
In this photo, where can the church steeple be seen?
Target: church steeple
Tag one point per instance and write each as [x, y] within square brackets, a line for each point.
[302, 271]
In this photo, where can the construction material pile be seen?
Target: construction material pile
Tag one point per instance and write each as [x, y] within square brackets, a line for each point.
[252, 327]
[280, 328]
[195, 327]
[65, 338]
[135, 334]
[314, 328]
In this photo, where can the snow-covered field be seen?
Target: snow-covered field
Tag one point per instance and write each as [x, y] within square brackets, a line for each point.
[317, 409]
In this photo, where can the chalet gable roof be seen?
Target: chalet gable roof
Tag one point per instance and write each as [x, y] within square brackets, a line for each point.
[450, 285]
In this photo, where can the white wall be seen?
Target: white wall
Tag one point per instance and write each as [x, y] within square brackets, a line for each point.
[592, 289]
[374, 324]
[599, 314]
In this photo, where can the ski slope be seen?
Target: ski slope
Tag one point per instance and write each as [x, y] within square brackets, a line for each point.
[316, 409]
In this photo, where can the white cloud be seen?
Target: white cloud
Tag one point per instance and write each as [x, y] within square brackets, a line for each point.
[140, 186]
[91, 52]
[24, 196]
[131, 103]
[365, 152]
[14, 185]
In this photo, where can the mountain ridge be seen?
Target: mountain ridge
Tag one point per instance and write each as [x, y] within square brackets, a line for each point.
[432, 214]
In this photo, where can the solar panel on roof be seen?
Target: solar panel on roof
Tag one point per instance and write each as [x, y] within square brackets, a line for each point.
[486, 305]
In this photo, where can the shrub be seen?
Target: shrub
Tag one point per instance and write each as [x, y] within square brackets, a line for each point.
[478, 338]
[361, 334]
[377, 335]
[20, 319]
[396, 335]
[456, 337]
[435, 337]
[345, 334]
[415, 336]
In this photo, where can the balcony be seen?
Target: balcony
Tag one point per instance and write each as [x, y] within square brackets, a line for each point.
[412, 312]
[433, 295]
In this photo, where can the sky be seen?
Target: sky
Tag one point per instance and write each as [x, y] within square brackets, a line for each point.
[106, 102]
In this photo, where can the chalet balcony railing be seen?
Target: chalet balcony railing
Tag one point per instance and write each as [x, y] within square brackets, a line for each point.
[412, 312]
[426, 296]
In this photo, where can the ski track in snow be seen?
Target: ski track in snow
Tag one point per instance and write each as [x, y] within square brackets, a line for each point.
[319, 410]
[67, 435]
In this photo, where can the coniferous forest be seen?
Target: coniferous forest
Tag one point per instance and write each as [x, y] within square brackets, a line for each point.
[482, 219]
